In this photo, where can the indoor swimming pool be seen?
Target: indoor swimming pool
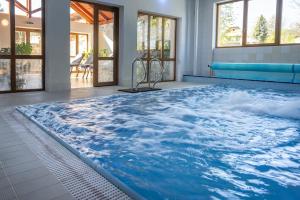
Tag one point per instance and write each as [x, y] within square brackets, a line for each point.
[204, 142]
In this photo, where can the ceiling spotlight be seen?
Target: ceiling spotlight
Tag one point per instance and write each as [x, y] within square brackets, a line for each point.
[4, 22]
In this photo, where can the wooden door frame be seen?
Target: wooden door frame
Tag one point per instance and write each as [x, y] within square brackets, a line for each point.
[97, 7]
[115, 57]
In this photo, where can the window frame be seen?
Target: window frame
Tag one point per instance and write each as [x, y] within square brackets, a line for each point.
[13, 57]
[277, 42]
[162, 57]
[217, 23]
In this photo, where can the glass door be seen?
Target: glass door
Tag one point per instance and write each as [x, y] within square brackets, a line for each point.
[106, 43]
[22, 45]
[156, 38]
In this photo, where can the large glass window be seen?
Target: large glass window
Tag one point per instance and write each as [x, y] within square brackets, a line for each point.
[169, 38]
[82, 43]
[30, 39]
[28, 74]
[156, 38]
[290, 23]
[230, 24]
[257, 22]
[73, 45]
[5, 75]
[35, 40]
[5, 28]
[142, 36]
[261, 21]
[21, 45]
[28, 23]
[20, 37]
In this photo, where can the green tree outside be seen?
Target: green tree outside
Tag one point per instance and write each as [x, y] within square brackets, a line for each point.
[226, 24]
[261, 30]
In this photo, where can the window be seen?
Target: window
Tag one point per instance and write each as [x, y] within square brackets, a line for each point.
[78, 44]
[290, 24]
[21, 45]
[5, 28]
[35, 39]
[31, 37]
[156, 38]
[170, 38]
[20, 37]
[230, 24]
[257, 23]
[73, 45]
[82, 43]
[142, 36]
[261, 21]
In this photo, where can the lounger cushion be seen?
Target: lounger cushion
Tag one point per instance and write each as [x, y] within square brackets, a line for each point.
[278, 72]
[297, 73]
[259, 67]
[297, 68]
[256, 76]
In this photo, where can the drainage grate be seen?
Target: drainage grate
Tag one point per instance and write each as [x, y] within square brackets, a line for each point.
[78, 178]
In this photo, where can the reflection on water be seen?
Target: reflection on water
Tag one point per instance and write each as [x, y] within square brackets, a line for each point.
[196, 143]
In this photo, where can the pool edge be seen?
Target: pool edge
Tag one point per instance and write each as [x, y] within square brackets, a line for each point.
[114, 181]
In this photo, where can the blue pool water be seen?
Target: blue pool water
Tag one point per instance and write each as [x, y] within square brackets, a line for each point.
[213, 142]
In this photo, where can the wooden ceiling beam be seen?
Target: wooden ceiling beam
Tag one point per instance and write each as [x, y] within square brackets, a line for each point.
[87, 15]
[29, 8]
[36, 10]
[102, 22]
[82, 12]
[21, 6]
[104, 16]
[84, 9]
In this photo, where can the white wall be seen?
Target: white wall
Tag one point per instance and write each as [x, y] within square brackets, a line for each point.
[5, 31]
[57, 45]
[203, 52]
[57, 36]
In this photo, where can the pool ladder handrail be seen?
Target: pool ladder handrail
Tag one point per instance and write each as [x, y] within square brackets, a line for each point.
[161, 72]
[138, 59]
[144, 80]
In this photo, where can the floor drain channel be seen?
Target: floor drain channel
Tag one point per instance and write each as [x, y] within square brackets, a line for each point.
[79, 179]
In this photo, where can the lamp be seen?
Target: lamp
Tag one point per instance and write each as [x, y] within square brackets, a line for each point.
[4, 22]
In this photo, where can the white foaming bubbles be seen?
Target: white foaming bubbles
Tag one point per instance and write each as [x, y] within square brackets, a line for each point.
[244, 130]
[276, 106]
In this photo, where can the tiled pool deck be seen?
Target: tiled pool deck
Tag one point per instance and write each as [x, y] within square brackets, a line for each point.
[22, 174]
[34, 166]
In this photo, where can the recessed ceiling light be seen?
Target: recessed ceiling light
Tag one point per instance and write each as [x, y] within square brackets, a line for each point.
[5, 22]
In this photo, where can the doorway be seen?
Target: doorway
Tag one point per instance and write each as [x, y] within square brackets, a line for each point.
[94, 35]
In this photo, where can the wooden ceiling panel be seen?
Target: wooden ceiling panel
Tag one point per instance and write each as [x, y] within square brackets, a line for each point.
[86, 11]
